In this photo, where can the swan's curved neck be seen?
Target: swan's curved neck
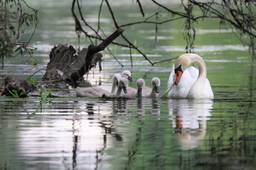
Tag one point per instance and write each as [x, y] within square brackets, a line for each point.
[201, 64]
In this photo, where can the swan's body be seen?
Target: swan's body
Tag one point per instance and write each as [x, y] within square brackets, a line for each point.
[144, 91]
[96, 91]
[186, 81]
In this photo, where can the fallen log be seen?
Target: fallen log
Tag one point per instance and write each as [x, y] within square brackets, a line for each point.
[68, 65]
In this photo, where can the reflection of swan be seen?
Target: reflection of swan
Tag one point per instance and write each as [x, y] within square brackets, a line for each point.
[120, 106]
[186, 82]
[144, 91]
[156, 110]
[189, 118]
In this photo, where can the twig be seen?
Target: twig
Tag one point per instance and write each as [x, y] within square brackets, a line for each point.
[99, 13]
[150, 22]
[78, 26]
[169, 10]
[83, 19]
[166, 60]
[141, 9]
[130, 50]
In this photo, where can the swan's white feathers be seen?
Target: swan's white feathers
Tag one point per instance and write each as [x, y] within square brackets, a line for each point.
[191, 84]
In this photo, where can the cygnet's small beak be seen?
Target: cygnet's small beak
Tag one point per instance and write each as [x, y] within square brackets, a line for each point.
[130, 78]
[157, 89]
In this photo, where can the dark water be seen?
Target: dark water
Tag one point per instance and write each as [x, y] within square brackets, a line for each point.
[82, 133]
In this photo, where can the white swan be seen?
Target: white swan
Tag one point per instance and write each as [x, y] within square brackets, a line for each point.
[144, 91]
[186, 81]
[115, 80]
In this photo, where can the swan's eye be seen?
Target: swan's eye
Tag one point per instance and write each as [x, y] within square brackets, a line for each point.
[178, 68]
[130, 78]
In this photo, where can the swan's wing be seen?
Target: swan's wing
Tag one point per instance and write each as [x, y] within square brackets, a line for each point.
[201, 89]
[208, 90]
[193, 72]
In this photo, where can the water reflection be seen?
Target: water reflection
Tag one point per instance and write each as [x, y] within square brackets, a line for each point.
[189, 120]
[153, 103]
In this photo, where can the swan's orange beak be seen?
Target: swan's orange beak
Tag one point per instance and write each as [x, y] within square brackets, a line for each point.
[177, 77]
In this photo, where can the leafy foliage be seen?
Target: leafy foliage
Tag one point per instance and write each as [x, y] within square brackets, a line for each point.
[16, 20]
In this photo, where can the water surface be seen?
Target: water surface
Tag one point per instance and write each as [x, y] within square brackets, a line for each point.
[82, 133]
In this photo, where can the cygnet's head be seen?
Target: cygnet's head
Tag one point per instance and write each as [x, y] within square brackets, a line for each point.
[140, 82]
[156, 84]
[128, 74]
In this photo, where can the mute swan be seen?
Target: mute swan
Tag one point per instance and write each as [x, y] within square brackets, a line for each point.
[186, 81]
[144, 91]
[125, 74]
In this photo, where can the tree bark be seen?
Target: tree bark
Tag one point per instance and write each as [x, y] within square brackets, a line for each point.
[68, 65]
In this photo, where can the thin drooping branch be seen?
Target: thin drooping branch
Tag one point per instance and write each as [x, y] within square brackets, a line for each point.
[141, 8]
[150, 22]
[170, 10]
[78, 27]
[131, 45]
[165, 60]
[84, 21]
[99, 13]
